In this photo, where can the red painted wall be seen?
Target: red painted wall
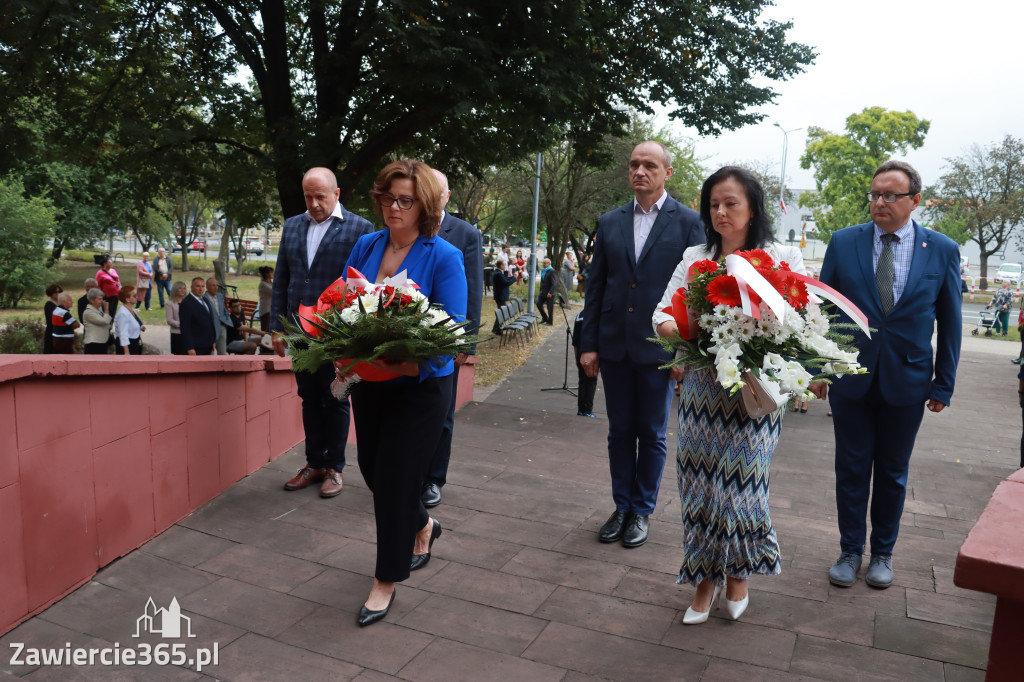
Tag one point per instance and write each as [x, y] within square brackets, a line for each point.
[98, 455]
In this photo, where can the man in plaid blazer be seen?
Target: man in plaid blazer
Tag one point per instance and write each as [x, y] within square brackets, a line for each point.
[314, 249]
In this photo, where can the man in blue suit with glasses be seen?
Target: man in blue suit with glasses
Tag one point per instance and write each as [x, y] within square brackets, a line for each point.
[636, 249]
[906, 279]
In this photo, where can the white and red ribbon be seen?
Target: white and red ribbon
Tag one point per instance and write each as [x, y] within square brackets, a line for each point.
[749, 279]
[843, 303]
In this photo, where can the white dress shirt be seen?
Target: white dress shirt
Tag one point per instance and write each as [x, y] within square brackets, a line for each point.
[315, 233]
[643, 221]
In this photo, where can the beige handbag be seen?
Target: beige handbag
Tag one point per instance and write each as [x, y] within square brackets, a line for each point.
[761, 396]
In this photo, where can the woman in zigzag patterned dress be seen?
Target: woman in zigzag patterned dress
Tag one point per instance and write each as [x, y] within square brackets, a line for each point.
[723, 457]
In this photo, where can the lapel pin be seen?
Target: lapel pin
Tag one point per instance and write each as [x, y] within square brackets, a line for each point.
[924, 244]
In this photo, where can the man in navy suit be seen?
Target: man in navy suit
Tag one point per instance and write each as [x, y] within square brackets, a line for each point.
[546, 295]
[197, 331]
[466, 239]
[314, 249]
[906, 279]
[637, 248]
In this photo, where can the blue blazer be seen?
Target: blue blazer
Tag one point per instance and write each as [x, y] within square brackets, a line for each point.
[294, 282]
[197, 330]
[899, 354]
[466, 239]
[435, 266]
[622, 291]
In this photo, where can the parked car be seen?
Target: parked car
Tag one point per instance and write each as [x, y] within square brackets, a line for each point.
[254, 245]
[965, 265]
[196, 245]
[1009, 272]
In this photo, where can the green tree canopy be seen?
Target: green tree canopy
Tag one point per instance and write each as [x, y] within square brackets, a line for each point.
[843, 164]
[349, 83]
[25, 225]
[981, 197]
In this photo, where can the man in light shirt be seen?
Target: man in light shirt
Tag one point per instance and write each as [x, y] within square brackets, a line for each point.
[636, 249]
[312, 254]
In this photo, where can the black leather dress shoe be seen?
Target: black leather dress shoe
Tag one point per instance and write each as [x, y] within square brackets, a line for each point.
[431, 495]
[613, 527]
[636, 531]
[368, 617]
[420, 560]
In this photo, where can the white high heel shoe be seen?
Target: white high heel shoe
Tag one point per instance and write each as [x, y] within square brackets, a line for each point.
[735, 609]
[692, 617]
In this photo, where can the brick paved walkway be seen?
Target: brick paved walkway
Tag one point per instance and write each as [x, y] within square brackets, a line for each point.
[519, 588]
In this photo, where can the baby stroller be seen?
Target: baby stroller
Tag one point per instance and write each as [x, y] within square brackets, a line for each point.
[986, 320]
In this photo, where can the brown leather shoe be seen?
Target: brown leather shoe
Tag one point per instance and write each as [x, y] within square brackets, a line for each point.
[332, 483]
[306, 476]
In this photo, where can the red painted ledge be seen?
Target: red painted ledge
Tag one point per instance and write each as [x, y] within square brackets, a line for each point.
[991, 560]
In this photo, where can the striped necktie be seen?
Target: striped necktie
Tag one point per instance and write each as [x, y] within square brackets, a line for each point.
[886, 272]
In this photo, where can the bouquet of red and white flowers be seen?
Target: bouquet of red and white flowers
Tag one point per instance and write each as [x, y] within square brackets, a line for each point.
[753, 319]
[356, 322]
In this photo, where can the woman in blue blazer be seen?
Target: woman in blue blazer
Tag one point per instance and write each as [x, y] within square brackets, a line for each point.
[399, 422]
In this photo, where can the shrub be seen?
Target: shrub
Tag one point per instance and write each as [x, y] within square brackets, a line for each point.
[22, 337]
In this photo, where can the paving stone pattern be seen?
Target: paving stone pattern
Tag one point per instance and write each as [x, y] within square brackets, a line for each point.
[520, 589]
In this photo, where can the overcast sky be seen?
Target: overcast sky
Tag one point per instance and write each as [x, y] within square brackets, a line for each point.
[958, 65]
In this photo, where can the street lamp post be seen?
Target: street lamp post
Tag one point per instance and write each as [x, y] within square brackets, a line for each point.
[782, 177]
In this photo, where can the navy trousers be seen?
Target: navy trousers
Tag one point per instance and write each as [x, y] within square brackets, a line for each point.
[874, 441]
[324, 419]
[438, 470]
[638, 399]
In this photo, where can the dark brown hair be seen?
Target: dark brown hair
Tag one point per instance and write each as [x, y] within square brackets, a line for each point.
[428, 191]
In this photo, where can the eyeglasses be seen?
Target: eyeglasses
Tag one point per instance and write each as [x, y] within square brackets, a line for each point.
[888, 197]
[404, 202]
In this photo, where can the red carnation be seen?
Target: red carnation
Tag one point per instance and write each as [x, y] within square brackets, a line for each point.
[724, 290]
[758, 258]
[703, 266]
[332, 296]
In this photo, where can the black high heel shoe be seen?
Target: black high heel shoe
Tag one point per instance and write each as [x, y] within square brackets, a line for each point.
[368, 617]
[420, 560]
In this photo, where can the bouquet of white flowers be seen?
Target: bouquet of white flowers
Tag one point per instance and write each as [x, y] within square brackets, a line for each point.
[748, 315]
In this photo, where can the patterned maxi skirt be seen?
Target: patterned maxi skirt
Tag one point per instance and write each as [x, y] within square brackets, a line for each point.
[722, 464]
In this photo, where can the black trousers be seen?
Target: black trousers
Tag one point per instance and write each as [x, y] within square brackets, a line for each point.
[587, 389]
[96, 348]
[546, 308]
[398, 427]
[325, 419]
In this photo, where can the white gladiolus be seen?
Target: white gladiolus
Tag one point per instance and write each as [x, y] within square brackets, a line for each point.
[774, 362]
[728, 370]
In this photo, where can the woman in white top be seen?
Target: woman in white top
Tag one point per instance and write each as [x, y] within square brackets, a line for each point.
[723, 456]
[178, 291]
[127, 325]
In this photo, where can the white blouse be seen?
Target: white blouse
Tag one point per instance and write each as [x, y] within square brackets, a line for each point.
[126, 325]
[779, 252]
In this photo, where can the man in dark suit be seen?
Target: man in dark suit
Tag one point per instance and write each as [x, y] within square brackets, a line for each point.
[546, 296]
[466, 239]
[314, 249]
[906, 279]
[636, 249]
[197, 332]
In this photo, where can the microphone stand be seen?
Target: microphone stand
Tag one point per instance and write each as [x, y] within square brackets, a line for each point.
[562, 298]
